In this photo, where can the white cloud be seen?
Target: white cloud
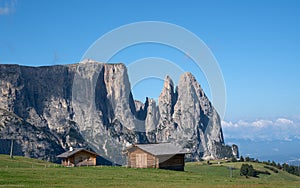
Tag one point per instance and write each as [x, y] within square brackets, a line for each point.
[262, 123]
[284, 121]
[8, 7]
[266, 130]
[228, 124]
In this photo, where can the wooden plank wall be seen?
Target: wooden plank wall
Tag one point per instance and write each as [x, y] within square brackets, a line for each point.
[83, 158]
[68, 162]
[135, 161]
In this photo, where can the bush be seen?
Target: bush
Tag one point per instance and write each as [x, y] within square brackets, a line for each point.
[252, 172]
[248, 170]
[271, 168]
[244, 170]
[264, 172]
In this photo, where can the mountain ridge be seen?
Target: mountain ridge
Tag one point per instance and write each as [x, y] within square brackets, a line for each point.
[90, 104]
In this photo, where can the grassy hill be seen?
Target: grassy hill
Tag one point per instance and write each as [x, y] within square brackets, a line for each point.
[25, 172]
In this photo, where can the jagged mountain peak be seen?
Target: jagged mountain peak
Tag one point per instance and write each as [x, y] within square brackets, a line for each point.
[168, 87]
[168, 83]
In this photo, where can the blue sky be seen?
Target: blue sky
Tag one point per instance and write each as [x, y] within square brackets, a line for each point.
[256, 44]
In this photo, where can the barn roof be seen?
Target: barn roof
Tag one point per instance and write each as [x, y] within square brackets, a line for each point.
[73, 152]
[161, 149]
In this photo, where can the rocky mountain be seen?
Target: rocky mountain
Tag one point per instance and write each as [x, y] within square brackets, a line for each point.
[48, 109]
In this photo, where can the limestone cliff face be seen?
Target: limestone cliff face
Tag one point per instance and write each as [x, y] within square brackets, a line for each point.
[41, 99]
[188, 118]
[90, 105]
[104, 109]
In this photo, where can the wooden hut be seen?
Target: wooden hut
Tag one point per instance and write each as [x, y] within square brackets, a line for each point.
[78, 157]
[163, 155]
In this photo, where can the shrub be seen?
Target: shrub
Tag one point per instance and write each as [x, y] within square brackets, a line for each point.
[271, 168]
[244, 170]
[248, 170]
[263, 172]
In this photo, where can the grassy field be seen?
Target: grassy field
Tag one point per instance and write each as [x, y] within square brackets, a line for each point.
[25, 172]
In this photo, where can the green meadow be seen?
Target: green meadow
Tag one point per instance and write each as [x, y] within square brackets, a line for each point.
[25, 172]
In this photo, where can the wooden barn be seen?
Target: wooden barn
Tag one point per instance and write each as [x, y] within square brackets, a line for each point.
[163, 156]
[78, 157]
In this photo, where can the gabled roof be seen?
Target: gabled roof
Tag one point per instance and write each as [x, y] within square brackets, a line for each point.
[73, 152]
[160, 149]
